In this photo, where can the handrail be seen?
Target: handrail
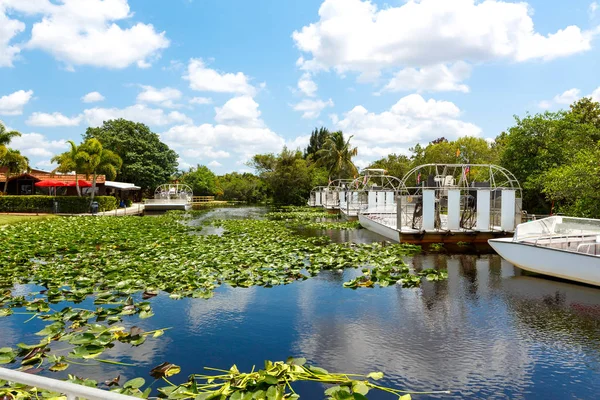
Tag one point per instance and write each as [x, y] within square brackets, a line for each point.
[71, 390]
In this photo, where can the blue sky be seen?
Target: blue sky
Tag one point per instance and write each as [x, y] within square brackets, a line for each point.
[221, 80]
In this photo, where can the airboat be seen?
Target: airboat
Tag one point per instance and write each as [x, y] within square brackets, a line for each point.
[562, 247]
[448, 203]
[170, 197]
[373, 191]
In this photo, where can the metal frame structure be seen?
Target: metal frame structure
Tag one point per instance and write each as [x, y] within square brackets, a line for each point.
[71, 390]
[316, 198]
[174, 191]
[373, 192]
[444, 183]
[335, 194]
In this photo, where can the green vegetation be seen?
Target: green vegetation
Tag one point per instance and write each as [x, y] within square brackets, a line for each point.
[45, 204]
[202, 181]
[147, 161]
[123, 262]
[13, 219]
[245, 187]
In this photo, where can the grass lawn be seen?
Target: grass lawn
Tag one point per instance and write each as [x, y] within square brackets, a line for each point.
[11, 219]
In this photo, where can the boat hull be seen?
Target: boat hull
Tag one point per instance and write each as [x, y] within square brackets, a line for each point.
[378, 228]
[572, 266]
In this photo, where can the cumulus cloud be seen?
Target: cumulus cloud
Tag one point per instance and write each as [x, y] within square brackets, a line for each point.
[436, 78]
[593, 7]
[86, 32]
[214, 164]
[12, 104]
[306, 85]
[238, 130]
[205, 79]
[311, 109]
[92, 97]
[201, 100]
[139, 113]
[36, 146]
[52, 120]
[9, 28]
[411, 120]
[354, 35]
[165, 97]
[568, 97]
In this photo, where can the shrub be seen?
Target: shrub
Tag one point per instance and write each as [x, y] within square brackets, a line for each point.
[45, 204]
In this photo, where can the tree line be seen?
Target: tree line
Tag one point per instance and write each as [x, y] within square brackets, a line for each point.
[554, 155]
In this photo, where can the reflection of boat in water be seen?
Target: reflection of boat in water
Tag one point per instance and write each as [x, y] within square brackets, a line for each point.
[563, 247]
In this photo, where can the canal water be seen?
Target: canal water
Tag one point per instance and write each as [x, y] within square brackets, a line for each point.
[488, 332]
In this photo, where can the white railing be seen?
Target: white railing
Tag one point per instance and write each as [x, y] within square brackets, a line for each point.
[71, 390]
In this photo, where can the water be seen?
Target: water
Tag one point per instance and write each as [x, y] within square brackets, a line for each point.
[487, 332]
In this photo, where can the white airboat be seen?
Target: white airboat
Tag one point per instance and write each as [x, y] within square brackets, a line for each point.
[442, 203]
[563, 247]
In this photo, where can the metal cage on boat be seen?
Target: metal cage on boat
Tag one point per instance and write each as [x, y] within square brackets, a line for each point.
[372, 192]
[446, 197]
[317, 196]
[335, 194]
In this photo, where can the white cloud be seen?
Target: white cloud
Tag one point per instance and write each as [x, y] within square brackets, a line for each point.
[92, 97]
[311, 109]
[306, 85]
[214, 164]
[52, 120]
[545, 104]
[568, 97]
[300, 142]
[138, 113]
[36, 146]
[435, 78]
[12, 104]
[411, 120]
[596, 95]
[165, 97]
[201, 100]
[94, 37]
[593, 8]
[9, 28]
[354, 35]
[205, 79]
[240, 111]
[238, 131]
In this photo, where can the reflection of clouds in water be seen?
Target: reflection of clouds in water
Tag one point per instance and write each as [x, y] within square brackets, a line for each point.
[227, 304]
[428, 338]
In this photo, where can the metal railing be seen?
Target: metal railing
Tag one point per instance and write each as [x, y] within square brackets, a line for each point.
[71, 390]
[202, 199]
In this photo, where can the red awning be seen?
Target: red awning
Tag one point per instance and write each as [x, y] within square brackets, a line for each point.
[82, 184]
[49, 183]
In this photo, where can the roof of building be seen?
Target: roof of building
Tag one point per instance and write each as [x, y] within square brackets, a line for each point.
[43, 176]
[121, 185]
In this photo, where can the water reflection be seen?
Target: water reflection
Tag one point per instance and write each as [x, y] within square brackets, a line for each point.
[486, 332]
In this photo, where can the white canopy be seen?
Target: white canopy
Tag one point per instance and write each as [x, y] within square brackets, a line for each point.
[121, 185]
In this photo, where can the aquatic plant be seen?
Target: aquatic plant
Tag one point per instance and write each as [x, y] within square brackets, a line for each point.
[123, 262]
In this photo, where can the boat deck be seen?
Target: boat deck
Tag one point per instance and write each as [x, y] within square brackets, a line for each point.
[586, 244]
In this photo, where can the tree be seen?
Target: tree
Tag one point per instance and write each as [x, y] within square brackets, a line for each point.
[336, 156]
[395, 165]
[242, 187]
[317, 140]
[15, 163]
[98, 160]
[202, 181]
[5, 138]
[147, 161]
[586, 111]
[288, 175]
[70, 161]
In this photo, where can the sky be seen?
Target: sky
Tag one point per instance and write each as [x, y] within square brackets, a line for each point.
[222, 80]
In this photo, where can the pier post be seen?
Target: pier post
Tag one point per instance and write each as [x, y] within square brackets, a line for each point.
[483, 210]
[507, 210]
[428, 210]
[453, 209]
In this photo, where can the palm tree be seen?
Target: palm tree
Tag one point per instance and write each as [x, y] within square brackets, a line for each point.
[5, 138]
[97, 160]
[15, 163]
[70, 161]
[336, 155]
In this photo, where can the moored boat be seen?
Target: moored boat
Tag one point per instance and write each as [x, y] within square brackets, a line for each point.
[562, 247]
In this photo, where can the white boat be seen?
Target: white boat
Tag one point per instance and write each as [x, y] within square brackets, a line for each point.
[383, 225]
[563, 247]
